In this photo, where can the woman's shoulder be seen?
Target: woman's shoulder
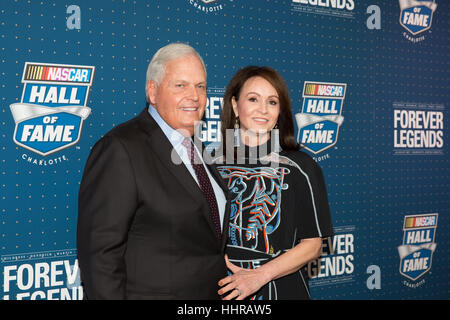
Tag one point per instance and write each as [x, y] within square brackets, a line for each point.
[301, 159]
[298, 156]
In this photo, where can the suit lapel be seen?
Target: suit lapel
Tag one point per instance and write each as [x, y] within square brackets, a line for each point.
[226, 218]
[218, 178]
[162, 147]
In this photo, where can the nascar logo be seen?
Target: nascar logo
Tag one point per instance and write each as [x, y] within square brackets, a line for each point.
[416, 15]
[50, 115]
[416, 252]
[320, 119]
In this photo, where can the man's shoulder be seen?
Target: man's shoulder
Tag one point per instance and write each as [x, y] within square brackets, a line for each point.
[131, 129]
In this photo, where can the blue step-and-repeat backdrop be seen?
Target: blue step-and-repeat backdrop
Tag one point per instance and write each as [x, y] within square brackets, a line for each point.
[369, 82]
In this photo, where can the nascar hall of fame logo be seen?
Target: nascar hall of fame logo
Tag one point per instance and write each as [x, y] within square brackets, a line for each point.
[207, 6]
[416, 17]
[50, 115]
[320, 119]
[416, 252]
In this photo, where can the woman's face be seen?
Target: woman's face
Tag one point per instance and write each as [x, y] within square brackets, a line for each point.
[258, 107]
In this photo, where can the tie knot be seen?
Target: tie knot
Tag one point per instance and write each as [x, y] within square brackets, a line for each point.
[187, 143]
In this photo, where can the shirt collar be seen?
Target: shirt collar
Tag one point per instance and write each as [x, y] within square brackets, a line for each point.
[173, 135]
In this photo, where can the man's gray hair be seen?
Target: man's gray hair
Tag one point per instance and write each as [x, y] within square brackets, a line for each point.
[156, 67]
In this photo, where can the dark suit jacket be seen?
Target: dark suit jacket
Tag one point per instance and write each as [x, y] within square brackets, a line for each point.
[144, 227]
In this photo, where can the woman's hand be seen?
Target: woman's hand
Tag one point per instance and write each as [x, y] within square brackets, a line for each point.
[242, 283]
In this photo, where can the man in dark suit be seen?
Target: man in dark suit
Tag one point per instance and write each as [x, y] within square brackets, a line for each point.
[148, 227]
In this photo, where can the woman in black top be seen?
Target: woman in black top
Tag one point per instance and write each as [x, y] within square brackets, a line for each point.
[280, 210]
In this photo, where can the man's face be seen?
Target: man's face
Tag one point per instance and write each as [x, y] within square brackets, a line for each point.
[180, 98]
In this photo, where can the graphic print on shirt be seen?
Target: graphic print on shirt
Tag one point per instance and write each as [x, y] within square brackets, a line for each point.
[255, 204]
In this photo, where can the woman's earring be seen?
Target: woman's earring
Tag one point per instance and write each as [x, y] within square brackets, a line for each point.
[237, 139]
[275, 138]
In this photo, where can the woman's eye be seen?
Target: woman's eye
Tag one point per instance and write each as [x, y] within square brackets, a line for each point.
[273, 102]
[252, 99]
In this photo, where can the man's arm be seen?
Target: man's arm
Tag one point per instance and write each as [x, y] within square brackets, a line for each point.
[106, 206]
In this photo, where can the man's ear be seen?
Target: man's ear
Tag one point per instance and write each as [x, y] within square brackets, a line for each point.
[152, 91]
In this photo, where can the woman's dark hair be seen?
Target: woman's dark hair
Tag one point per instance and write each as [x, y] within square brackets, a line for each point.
[285, 119]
